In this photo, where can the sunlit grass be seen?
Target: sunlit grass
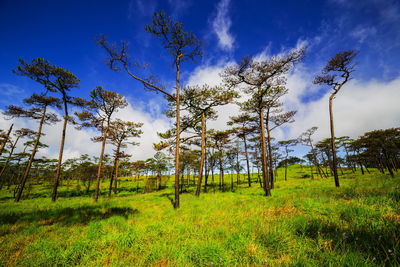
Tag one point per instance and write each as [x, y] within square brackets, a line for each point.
[305, 223]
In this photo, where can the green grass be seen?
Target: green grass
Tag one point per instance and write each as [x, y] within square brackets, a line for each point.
[305, 223]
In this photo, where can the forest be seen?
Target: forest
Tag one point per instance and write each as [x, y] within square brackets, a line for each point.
[233, 197]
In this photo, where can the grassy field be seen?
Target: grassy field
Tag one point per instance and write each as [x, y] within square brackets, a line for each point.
[305, 223]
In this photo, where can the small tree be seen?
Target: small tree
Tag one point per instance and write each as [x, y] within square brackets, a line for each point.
[245, 127]
[341, 65]
[102, 105]
[38, 111]
[286, 144]
[119, 134]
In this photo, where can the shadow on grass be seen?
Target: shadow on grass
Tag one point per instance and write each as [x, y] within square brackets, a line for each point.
[66, 216]
[382, 245]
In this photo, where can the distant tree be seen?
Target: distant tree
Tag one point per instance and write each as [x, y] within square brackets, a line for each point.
[285, 145]
[182, 45]
[258, 78]
[199, 102]
[21, 133]
[306, 139]
[119, 134]
[38, 111]
[102, 105]
[341, 65]
[245, 127]
[221, 140]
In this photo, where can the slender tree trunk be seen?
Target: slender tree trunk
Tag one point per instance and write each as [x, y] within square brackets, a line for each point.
[60, 154]
[31, 158]
[103, 144]
[334, 159]
[6, 140]
[115, 171]
[178, 133]
[247, 159]
[203, 151]
[264, 155]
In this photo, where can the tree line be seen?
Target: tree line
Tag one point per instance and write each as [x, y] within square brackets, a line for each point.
[195, 147]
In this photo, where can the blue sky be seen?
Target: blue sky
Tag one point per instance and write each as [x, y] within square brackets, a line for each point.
[63, 32]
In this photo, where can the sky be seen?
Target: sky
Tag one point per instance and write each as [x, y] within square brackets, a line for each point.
[63, 33]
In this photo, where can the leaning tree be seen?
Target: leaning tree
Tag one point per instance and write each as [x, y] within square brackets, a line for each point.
[21, 133]
[119, 134]
[335, 74]
[39, 112]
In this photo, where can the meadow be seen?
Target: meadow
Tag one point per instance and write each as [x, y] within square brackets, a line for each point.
[306, 222]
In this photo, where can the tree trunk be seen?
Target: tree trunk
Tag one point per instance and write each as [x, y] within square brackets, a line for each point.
[103, 144]
[31, 158]
[178, 133]
[247, 160]
[115, 171]
[203, 151]
[221, 176]
[334, 159]
[264, 155]
[60, 154]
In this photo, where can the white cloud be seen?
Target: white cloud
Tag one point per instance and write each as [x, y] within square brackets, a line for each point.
[359, 107]
[221, 26]
[78, 142]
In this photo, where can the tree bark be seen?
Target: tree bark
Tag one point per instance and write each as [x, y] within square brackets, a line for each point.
[103, 144]
[203, 151]
[115, 170]
[334, 159]
[266, 185]
[60, 154]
